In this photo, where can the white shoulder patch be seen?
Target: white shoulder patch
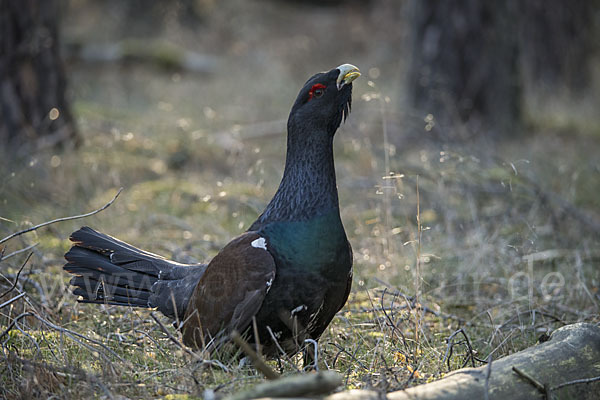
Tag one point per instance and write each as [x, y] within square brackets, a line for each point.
[298, 309]
[259, 243]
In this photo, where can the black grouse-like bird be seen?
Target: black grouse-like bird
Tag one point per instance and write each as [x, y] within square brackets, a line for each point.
[292, 269]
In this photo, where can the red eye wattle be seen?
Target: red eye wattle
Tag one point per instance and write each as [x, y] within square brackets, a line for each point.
[317, 90]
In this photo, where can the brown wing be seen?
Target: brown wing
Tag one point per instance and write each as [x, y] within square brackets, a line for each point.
[230, 292]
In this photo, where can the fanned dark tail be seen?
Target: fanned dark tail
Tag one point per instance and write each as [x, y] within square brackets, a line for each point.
[109, 271]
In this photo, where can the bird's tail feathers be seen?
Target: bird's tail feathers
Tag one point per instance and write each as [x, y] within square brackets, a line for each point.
[109, 271]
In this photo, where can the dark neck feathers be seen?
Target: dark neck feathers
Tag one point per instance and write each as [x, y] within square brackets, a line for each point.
[308, 187]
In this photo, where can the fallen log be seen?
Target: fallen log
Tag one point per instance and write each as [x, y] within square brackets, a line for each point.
[567, 366]
[150, 52]
[297, 386]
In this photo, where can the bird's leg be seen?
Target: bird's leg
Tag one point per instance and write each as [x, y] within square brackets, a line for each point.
[279, 364]
[310, 355]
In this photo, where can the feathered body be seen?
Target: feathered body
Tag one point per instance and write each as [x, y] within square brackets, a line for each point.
[292, 269]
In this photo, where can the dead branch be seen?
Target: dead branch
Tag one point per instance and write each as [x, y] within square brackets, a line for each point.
[295, 386]
[17, 252]
[257, 360]
[13, 323]
[542, 388]
[33, 228]
[450, 348]
[8, 302]
[576, 382]
[17, 277]
[171, 337]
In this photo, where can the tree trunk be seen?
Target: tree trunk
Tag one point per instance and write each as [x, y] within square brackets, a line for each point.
[558, 40]
[464, 65]
[33, 108]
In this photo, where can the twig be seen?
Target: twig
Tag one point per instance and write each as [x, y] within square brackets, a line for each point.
[37, 287]
[150, 338]
[12, 300]
[488, 373]
[418, 266]
[73, 333]
[353, 358]
[14, 253]
[33, 228]
[391, 322]
[17, 277]
[184, 348]
[71, 370]
[14, 321]
[575, 382]
[258, 362]
[397, 293]
[33, 340]
[283, 353]
[66, 331]
[449, 349]
[256, 337]
[171, 337]
[533, 312]
[502, 343]
[542, 388]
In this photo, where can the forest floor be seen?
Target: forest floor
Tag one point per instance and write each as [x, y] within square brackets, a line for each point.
[497, 238]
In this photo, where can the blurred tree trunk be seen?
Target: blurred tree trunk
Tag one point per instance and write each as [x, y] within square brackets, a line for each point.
[464, 65]
[559, 40]
[33, 107]
[471, 59]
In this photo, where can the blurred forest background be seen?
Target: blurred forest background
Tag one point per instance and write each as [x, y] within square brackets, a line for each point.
[468, 174]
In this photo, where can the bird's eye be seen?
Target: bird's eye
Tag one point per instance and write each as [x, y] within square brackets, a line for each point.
[316, 90]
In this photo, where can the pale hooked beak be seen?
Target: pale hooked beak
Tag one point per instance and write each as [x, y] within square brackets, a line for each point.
[348, 73]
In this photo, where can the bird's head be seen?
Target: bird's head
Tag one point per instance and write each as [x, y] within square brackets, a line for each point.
[323, 101]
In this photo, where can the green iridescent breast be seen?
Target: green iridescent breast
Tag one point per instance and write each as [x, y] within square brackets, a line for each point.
[312, 244]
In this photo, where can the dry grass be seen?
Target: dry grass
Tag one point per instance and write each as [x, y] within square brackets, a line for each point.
[505, 247]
